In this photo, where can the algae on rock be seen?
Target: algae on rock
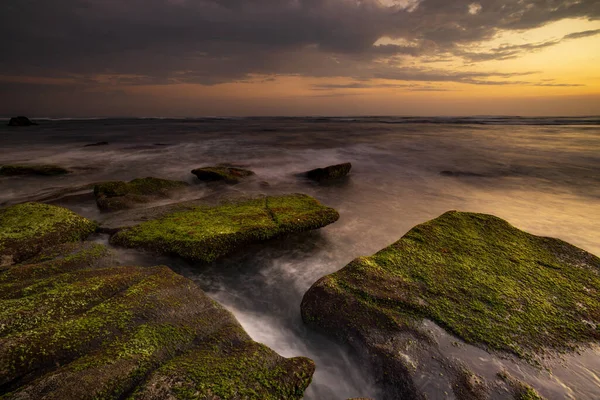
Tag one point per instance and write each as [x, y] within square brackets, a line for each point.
[27, 228]
[141, 333]
[118, 195]
[206, 233]
[476, 276]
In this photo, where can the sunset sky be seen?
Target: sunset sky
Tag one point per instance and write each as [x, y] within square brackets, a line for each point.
[299, 57]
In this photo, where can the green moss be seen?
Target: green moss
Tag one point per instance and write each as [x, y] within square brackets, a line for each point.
[480, 278]
[105, 333]
[206, 233]
[121, 195]
[521, 391]
[224, 173]
[227, 369]
[44, 170]
[28, 228]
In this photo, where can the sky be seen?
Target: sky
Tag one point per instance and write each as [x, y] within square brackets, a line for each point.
[84, 58]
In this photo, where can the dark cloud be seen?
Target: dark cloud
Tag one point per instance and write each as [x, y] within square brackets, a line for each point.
[214, 41]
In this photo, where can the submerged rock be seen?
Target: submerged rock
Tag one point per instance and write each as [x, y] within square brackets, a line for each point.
[68, 331]
[462, 173]
[118, 195]
[205, 233]
[479, 278]
[20, 121]
[329, 173]
[96, 144]
[223, 173]
[28, 228]
[44, 170]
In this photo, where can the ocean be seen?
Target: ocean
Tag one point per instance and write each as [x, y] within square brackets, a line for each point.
[540, 174]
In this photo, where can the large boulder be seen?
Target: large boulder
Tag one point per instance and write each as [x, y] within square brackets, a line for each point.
[501, 290]
[28, 228]
[329, 173]
[118, 195]
[20, 121]
[224, 173]
[205, 233]
[43, 170]
[68, 331]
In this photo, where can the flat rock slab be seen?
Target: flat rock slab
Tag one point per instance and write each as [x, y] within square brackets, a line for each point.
[205, 233]
[39, 170]
[68, 331]
[224, 173]
[118, 195]
[475, 275]
[27, 228]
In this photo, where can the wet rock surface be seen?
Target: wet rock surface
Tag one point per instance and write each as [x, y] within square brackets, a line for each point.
[481, 279]
[23, 170]
[74, 332]
[224, 173]
[329, 173]
[204, 233]
[118, 195]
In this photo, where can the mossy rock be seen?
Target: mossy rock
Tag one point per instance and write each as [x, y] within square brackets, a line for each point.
[71, 332]
[206, 233]
[118, 195]
[329, 173]
[40, 170]
[222, 173]
[475, 275]
[28, 228]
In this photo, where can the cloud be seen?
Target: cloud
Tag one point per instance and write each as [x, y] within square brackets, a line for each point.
[514, 51]
[215, 41]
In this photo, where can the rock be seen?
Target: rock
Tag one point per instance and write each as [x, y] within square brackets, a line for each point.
[205, 233]
[481, 279]
[520, 390]
[28, 228]
[118, 195]
[96, 144]
[223, 173]
[462, 173]
[44, 170]
[329, 173]
[20, 121]
[68, 331]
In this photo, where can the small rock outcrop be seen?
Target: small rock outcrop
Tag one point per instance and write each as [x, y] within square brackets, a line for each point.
[204, 233]
[23, 170]
[28, 228]
[118, 195]
[72, 328]
[329, 173]
[96, 144]
[20, 121]
[474, 275]
[224, 173]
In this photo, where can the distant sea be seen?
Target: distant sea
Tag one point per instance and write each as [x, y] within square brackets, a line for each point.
[540, 174]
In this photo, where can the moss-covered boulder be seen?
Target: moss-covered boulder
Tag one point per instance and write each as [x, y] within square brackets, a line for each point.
[40, 170]
[224, 173]
[68, 331]
[206, 233]
[28, 228]
[118, 195]
[478, 277]
[329, 173]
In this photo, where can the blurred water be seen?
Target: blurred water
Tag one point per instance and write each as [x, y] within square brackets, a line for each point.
[544, 178]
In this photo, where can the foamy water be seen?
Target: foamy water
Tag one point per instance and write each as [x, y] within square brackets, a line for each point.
[543, 178]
